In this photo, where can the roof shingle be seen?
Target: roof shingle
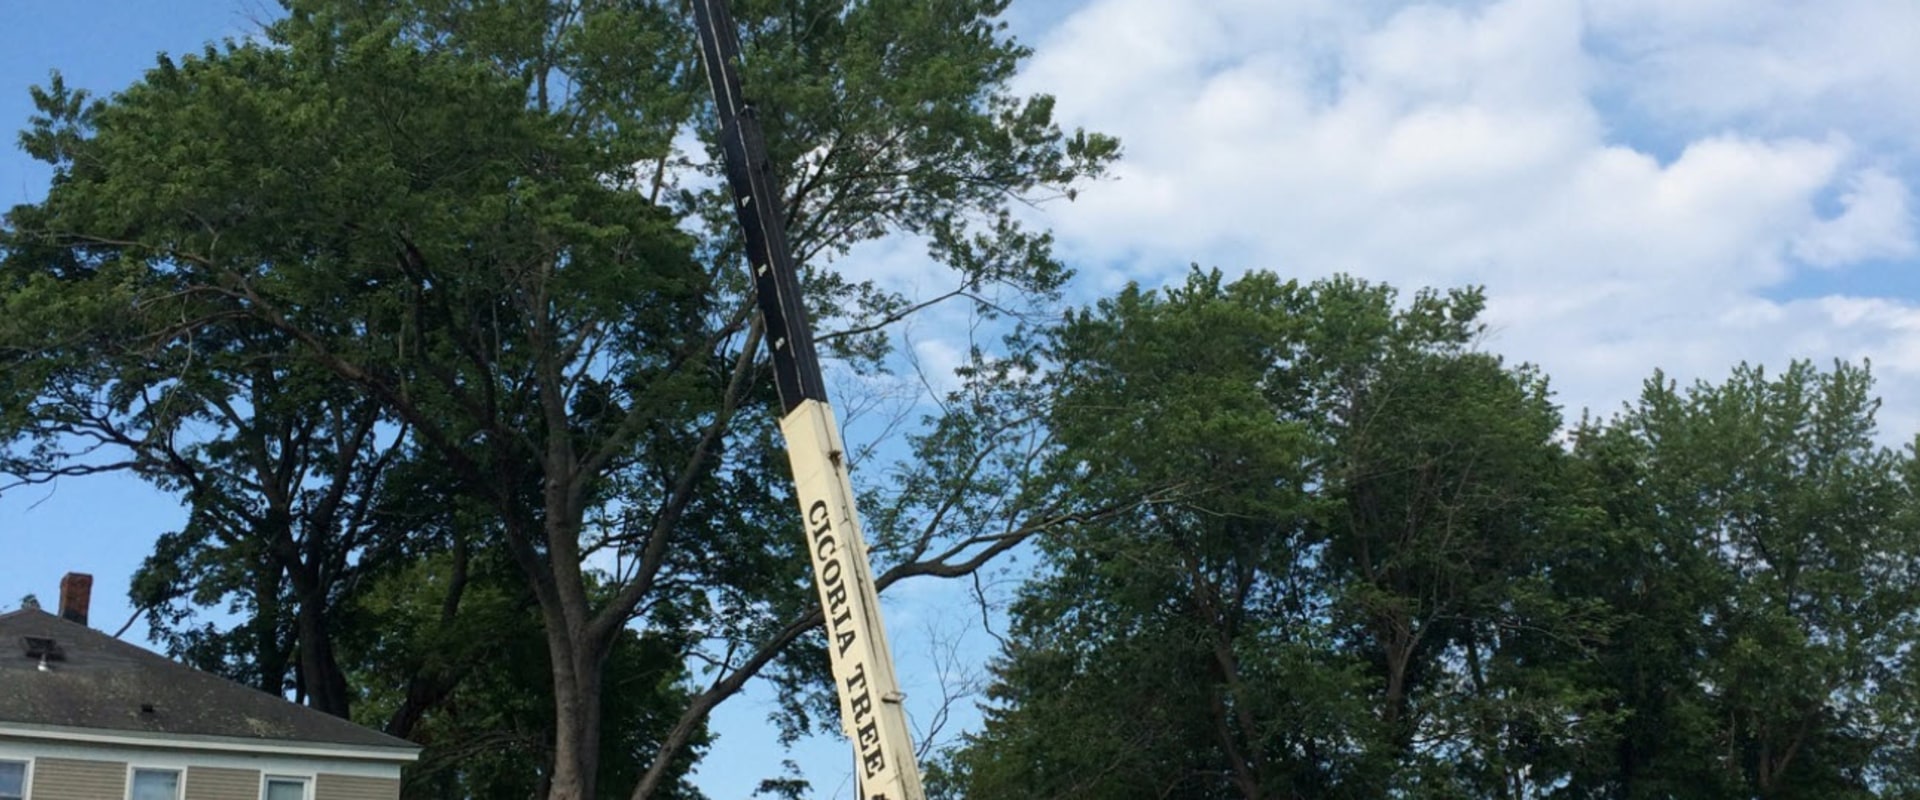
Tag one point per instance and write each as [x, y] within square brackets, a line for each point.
[104, 683]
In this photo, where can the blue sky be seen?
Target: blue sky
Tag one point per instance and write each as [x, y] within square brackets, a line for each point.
[100, 45]
[1638, 183]
[103, 525]
[1680, 184]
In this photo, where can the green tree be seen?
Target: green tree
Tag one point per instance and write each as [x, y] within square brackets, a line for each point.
[1451, 504]
[487, 725]
[281, 468]
[1337, 583]
[466, 213]
[1763, 561]
[1163, 645]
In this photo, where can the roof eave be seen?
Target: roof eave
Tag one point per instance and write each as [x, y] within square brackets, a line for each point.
[217, 744]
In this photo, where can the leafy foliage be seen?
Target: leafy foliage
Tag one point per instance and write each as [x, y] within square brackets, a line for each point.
[1389, 572]
[462, 251]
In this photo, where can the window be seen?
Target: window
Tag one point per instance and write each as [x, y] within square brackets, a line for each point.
[286, 789]
[13, 780]
[155, 784]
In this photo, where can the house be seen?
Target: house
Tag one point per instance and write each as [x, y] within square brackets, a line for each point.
[85, 716]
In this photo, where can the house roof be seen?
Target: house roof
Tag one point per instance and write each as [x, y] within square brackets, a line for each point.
[103, 684]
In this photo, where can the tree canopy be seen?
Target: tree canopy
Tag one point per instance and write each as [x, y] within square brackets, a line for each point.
[467, 251]
[1392, 572]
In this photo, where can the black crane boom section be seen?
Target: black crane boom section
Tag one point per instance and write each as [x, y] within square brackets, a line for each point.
[756, 193]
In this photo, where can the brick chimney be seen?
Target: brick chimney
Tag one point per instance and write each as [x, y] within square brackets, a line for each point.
[76, 595]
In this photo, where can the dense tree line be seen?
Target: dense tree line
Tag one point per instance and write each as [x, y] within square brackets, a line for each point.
[1391, 572]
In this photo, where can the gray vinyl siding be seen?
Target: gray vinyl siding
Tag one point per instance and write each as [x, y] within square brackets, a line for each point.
[69, 779]
[208, 783]
[348, 787]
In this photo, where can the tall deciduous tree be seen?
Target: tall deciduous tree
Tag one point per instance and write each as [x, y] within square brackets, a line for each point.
[1160, 652]
[1452, 501]
[466, 213]
[1387, 573]
[1347, 596]
[1763, 560]
[281, 467]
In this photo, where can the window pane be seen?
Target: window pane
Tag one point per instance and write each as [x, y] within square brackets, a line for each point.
[13, 780]
[153, 784]
[281, 789]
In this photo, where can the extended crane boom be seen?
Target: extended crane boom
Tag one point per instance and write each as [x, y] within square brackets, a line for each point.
[870, 699]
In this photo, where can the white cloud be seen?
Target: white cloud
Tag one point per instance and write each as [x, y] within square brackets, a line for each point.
[1637, 182]
[1442, 145]
[1875, 223]
[1775, 64]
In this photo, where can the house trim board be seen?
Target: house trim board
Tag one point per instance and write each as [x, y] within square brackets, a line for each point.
[212, 744]
[185, 758]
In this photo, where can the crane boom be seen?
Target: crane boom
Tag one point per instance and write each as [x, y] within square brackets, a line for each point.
[871, 711]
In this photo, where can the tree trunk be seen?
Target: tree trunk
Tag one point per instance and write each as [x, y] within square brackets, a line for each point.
[577, 676]
[269, 652]
[1490, 732]
[1398, 641]
[321, 676]
[326, 684]
[1246, 778]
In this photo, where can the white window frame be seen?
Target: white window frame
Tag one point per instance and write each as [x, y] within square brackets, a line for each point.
[26, 775]
[179, 786]
[306, 782]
